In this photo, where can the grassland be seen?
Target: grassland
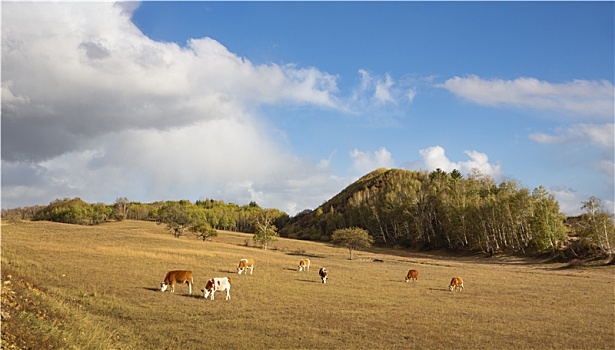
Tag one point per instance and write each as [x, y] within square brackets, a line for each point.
[74, 287]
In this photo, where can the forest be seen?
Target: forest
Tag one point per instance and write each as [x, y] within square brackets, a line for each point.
[440, 210]
[399, 208]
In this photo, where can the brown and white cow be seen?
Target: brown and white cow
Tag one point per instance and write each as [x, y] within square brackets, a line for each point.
[177, 276]
[245, 264]
[304, 265]
[323, 273]
[412, 275]
[218, 284]
[456, 284]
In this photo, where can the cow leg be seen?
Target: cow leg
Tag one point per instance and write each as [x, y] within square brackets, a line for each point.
[228, 294]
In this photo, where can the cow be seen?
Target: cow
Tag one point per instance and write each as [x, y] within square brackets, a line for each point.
[304, 265]
[456, 283]
[219, 284]
[323, 274]
[179, 276]
[245, 264]
[412, 275]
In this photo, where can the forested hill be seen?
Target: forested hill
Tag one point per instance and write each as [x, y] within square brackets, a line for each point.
[439, 210]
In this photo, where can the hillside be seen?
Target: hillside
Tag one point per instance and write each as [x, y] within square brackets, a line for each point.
[440, 210]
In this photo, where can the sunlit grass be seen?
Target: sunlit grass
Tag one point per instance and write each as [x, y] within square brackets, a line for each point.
[99, 286]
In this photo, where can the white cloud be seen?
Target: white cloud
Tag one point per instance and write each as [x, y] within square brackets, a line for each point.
[578, 98]
[433, 158]
[365, 162]
[570, 201]
[579, 137]
[602, 135]
[410, 95]
[91, 107]
[86, 70]
[380, 90]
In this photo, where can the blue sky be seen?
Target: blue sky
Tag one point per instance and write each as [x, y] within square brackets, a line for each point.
[287, 103]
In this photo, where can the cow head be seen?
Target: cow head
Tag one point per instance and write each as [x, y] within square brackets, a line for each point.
[163, 287]
[209, 287]
[239, 270]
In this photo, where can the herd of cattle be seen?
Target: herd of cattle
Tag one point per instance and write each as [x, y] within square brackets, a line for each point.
[223, 284]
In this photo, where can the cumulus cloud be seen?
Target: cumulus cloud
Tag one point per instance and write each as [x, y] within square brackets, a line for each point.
[92, 107]
[365, 162]
[578, 98]
[433, 158]
[568, 199]
[76, 79]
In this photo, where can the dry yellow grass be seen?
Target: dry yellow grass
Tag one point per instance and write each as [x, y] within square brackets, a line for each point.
[97, 288]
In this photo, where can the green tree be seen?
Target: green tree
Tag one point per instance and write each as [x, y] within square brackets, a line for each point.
[597, 225]
[352, 238]
[265, 231]
[204, 230]
[547, 221]
[178, 216]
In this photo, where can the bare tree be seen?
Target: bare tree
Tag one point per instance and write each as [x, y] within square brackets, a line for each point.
[264, 229]
[122, 206]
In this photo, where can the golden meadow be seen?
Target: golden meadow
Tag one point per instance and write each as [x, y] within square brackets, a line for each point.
[97, 287]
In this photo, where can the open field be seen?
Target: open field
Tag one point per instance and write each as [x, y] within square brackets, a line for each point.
[76, 287]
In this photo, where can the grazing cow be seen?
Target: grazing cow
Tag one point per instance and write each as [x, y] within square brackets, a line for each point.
[245, 264]
[456, 283]
[179, 276]
[219, 284]
[304, 265]
[412, 275]
[323, 274]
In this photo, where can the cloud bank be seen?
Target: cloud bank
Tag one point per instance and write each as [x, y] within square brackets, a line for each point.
[91, 107]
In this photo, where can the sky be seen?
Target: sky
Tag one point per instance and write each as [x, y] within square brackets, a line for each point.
[288, 103]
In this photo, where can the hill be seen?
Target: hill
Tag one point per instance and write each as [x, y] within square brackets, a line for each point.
[440, 210]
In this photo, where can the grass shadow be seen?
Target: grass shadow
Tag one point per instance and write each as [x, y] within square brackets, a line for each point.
[307, 255]
[310, 281]
[193, 295]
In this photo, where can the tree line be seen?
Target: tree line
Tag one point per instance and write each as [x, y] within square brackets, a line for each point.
[397, 208]
[202, 218]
